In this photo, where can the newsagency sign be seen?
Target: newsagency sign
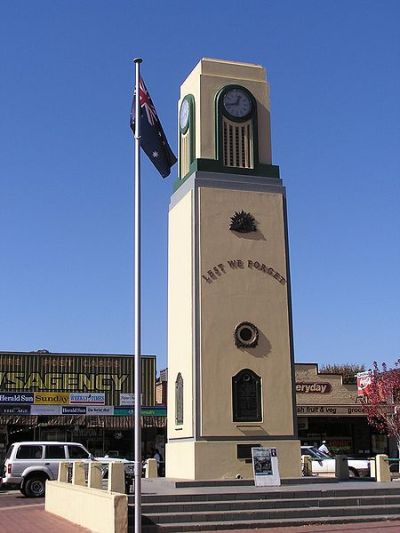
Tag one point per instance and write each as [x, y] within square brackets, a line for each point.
[69, 373]
[87, 398]
[78, 410]
[51, 398]
[15, 409]
[16, 397]
[70, 403]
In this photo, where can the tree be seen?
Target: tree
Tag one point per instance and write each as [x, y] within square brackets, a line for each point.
[348, 371]
[381, 403]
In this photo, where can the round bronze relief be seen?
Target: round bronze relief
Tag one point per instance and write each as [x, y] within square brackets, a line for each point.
[246, 335]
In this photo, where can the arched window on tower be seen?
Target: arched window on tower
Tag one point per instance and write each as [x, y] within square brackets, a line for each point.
[179, 400]
[236, 137]
[246, 397]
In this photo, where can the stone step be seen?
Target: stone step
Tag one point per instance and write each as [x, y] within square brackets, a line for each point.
[268, 514]
[185, 484]
[256, 524]
[224, 505]
[268, 494]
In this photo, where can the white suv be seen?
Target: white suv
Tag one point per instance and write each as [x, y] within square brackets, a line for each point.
[30, 464]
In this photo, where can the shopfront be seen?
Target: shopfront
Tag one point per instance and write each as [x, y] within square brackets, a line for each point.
[86, 398]
[328, 409]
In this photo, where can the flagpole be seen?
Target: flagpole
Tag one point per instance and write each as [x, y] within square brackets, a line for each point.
[137, 365]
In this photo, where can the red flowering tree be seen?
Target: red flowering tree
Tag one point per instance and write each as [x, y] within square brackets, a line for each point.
[381, 400]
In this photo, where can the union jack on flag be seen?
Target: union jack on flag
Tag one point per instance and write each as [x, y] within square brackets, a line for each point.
[152, 136]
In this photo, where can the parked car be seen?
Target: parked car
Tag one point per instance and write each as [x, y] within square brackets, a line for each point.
[29, 464]
[325, 464]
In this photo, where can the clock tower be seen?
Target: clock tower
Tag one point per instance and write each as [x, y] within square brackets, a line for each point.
[230, 351]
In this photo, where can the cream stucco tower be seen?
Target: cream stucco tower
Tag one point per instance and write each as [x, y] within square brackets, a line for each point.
[230, 354]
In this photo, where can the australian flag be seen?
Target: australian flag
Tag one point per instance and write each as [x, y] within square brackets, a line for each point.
[152, 136]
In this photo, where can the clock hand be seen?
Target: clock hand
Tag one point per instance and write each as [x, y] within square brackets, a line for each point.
[233, 104]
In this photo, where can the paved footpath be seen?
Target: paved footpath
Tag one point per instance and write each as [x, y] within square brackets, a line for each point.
[19, 516]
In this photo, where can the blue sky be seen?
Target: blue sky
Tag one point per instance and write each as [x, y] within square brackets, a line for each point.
[66, 160]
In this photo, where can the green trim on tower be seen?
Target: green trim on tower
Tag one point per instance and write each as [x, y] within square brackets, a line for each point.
[191, 126]
[212, 165]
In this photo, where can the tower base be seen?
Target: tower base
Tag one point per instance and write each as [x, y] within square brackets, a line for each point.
[203, 460]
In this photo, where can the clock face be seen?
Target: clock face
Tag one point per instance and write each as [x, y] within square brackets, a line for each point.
[184, 115]
[237, 103]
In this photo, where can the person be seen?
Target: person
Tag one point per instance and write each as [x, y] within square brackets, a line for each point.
[324, 448]
[157, 457]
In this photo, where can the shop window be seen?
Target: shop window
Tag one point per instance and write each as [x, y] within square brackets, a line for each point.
[246, 397]
[179, 400]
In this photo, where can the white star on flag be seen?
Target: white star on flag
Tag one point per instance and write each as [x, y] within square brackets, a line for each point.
[155, 154]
